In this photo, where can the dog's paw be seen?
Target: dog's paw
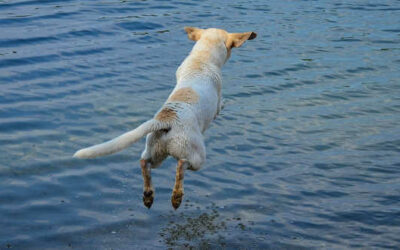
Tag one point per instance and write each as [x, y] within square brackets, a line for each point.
[222, 103]
[176, 199]
[148, 198]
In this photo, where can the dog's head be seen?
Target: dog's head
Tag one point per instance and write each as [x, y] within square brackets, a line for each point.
[217, 36]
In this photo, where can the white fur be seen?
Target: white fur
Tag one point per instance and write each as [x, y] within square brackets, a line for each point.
[182, 137]
[120, 142]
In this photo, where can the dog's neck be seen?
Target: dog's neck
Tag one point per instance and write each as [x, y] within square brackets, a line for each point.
[205, 55]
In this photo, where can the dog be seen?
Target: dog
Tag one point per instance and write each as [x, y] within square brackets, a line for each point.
[177, 128]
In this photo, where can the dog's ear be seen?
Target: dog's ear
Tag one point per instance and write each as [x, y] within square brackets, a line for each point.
[193, 33]
[237, 39]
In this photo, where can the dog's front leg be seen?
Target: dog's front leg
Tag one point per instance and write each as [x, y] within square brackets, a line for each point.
[148, 190]
[177, 193]
[220, 107]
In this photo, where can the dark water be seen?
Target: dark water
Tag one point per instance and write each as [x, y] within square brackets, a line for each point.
[305, 153]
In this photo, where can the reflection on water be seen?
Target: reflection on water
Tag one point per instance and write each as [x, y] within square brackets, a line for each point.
[305, 153]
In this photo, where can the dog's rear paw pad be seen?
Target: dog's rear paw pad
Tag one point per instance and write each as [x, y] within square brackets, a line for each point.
[148, 198]
[148, 193]
[176, 199]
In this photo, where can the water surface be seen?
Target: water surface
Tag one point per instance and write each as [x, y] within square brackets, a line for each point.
[305, 153]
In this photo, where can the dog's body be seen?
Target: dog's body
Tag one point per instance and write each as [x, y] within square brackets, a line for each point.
[177, 128]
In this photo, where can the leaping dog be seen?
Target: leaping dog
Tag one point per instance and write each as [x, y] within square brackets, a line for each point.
[177, 128]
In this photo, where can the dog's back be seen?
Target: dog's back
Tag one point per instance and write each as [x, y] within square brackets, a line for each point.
[199, 80]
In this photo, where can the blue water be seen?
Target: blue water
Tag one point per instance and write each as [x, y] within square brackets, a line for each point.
[304, 155]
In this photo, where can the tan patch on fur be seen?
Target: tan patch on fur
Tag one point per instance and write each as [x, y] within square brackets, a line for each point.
[193, 33]
[187, 95]
[237, 39]
[166, 115]
[195, 65]
[199, 59]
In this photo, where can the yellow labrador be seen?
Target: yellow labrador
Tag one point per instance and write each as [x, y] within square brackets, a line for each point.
[177, 128]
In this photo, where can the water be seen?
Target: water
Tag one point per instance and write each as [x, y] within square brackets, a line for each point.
[305, 153]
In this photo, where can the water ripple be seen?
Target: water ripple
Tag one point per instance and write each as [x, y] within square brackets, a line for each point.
[304, 154]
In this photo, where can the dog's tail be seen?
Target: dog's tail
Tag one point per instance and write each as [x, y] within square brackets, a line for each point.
[123, 141]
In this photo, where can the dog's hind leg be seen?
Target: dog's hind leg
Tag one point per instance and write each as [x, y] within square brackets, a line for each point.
[148, 190]
[152, 157]
[177, 193]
